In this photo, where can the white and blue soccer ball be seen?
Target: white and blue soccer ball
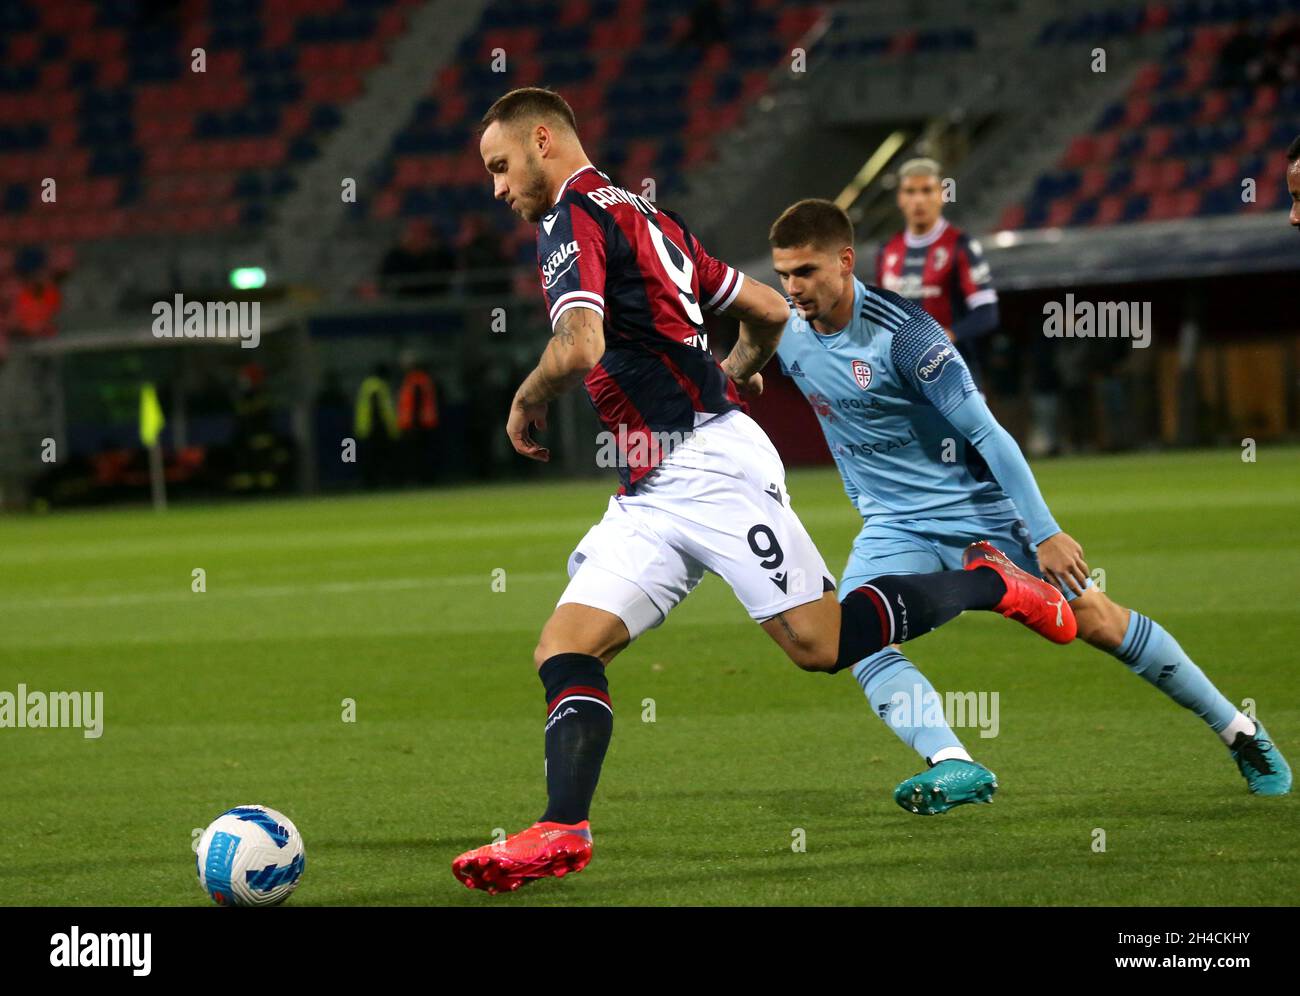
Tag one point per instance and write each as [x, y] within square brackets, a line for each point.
[250, 856]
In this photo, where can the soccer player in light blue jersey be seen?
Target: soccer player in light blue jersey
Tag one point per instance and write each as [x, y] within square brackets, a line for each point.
[932, 472]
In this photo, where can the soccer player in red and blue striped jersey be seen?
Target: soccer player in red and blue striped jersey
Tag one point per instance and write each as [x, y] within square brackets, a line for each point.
[702, 489]
[656, 374]
[1293, 180]
[936, 264]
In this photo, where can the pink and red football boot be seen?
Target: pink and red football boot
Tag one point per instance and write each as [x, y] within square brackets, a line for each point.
[1029, 600]
[544, 850]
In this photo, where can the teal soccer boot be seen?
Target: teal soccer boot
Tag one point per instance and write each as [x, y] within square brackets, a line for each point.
[946, 784]
[1261, 763]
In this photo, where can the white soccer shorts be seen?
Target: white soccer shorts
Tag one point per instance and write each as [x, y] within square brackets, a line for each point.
[717, 503]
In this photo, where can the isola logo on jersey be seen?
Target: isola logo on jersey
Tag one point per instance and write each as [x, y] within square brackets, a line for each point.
[558, 263]
[930, 366]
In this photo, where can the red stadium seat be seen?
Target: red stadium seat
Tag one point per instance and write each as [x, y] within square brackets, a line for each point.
[391, 24]
[1012, 217]
[387, 204]
[1136, 111]
[1061, 211]
[1094, 181]
[54, 76]
[1266, 101]
[902, 43]
[1146, 178]
[1082, 151]
[1105, 146]
[529, 71]
[717, 58]
[1199, 73]
[1213, 106]
[1158, 141]
[1223, 170]
[23, 48]
[1259, 131]
[1171, 173]
[1155, 16]
[1147, 78]
[1207, 40]
[1109, 210]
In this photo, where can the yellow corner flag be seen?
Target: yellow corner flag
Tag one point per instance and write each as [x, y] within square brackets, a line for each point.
[151, 416]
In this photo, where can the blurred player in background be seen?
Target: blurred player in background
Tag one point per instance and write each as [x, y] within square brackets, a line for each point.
[626, 285]
[1293, 180]
[931, 471]
[936, 264]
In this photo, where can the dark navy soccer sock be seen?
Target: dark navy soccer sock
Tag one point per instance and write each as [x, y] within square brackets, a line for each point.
[899, 607]
[579, 721]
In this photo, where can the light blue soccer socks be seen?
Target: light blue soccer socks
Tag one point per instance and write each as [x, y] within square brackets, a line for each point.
[909, 705]
[904, 698]
[1151, 653]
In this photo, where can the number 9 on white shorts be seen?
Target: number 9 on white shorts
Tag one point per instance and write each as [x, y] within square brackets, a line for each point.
[718, 503]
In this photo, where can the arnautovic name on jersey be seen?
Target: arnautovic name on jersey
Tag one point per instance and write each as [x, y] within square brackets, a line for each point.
[605, 196]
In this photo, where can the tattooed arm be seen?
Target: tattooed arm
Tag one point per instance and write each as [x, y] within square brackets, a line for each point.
[763, 314]
[574, 349]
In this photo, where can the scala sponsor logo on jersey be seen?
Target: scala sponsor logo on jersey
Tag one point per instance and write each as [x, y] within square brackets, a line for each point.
[930, 367]
[557, 263]
[911, 286]
[862, 373]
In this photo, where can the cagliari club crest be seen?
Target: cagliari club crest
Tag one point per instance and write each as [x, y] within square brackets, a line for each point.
[862, 373]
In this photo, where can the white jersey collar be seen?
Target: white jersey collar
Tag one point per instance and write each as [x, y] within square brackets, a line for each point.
[928, 238]
[565, 185]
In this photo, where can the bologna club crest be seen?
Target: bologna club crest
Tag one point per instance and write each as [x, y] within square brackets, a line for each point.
[862, 373]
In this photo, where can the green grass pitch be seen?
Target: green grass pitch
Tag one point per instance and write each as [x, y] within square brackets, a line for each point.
[236, 695]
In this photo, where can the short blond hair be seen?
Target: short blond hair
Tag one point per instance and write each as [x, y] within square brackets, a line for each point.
[921, 166]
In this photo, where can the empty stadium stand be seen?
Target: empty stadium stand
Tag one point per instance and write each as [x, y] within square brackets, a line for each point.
[1200, 125]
